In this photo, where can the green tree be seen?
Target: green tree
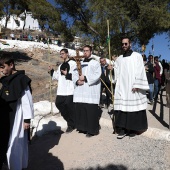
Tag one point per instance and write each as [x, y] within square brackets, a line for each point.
[18, 7]
[1, 7]
[45, 13]
[15, 7]
[140, 20]
[49, 18]
[5, 10]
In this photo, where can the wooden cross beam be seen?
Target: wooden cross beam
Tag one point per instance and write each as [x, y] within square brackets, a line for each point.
[77, 59]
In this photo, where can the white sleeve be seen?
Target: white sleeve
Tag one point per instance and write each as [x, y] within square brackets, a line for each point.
[75, 75]
[161, 68]
[27, 104]
[73, 65]
[141, 81]
[56, 74]
[116, 70]
[93, 73]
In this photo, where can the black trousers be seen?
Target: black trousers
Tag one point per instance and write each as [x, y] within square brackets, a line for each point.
[136, 121]
[108, 95]
[87, 117]
[66, 108]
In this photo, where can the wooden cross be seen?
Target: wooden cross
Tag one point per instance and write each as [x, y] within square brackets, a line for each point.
[77, 59]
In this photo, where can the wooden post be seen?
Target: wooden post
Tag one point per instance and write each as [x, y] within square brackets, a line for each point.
[169, 118]
[50, 78]
[113, 117]
[110, 61]
[152, 48]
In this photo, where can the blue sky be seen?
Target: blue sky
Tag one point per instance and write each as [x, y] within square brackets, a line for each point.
[51, 1]
[160, 47]
[160, 44]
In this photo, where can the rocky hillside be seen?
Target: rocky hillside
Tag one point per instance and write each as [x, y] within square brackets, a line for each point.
[35, 63]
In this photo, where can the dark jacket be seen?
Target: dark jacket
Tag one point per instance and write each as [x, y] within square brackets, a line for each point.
[12, 89]
[105, 76]
[150, 72]
[157, 72]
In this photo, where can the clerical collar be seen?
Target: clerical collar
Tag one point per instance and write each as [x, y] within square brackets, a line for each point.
[66, 61]
[87, 59]
[127, 53]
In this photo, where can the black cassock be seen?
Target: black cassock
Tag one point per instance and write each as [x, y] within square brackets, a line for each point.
[11, 91]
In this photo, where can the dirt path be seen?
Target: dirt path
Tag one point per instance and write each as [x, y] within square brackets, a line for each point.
[103, 152]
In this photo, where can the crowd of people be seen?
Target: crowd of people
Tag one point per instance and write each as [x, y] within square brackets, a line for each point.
[79, 97]
[27, 36]
[155, 71]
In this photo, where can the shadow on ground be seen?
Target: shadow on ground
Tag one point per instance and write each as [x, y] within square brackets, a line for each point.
[160, 115]
[18, 56]
[40, 157]
[108, 167]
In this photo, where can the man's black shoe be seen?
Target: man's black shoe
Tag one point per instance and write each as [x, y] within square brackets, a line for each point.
[131, 134]
[69, 129]
[88, 135]
[81, 131]
[121, 134]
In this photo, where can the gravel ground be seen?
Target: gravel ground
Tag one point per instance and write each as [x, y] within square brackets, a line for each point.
[74, 151]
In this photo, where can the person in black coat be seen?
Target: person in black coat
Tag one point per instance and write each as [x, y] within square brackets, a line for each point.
[16, 111]
[105, 78]
[165, 66]
[4, 131]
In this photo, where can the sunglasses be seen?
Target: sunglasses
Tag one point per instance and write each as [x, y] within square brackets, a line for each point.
[124, 44]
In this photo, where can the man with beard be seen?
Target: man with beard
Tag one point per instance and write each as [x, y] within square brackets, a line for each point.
[130, 101]
[87, 94]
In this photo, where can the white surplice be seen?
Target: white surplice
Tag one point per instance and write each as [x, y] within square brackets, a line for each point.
[130, 73]
[65, 87]
[89, 92]
[17, 154]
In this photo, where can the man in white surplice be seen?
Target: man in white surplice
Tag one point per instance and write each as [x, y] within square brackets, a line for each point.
[87, 94]
[130, 100]
[65, 89]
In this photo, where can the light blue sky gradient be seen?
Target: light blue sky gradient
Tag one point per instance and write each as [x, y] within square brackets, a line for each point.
[160, 47]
